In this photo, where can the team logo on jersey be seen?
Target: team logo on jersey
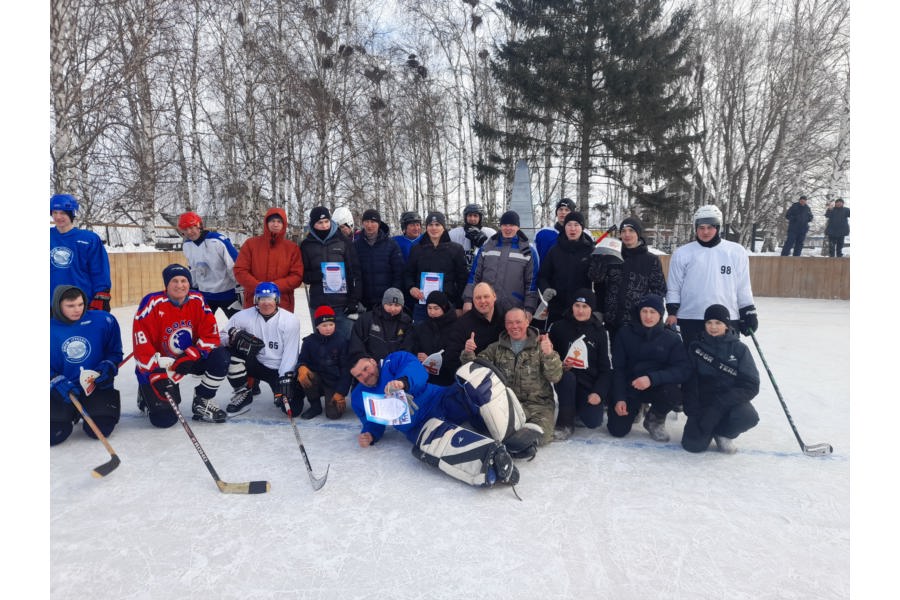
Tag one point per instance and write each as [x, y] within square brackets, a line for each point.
[180, 340]
[61, 257]
[76, 349]
[201, 270]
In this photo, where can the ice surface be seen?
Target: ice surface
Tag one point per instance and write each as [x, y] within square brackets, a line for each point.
[600, 517]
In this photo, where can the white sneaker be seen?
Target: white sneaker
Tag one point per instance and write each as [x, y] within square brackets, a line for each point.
[726, 445]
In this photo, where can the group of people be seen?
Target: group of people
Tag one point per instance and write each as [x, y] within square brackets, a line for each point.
[837, 227]
[576, 332]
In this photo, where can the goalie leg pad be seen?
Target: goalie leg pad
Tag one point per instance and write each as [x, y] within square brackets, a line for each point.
[490, 398]
[464, 454]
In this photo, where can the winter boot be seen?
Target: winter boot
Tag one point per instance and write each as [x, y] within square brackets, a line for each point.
[561, 434]
[656, 425]
[726, 445]
[206, 410]
[314, 410]
[242, 397]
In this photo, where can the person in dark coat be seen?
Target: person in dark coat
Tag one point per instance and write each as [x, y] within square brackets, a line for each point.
[331, 270]
[581, 341]
[723, 381]
[837, 228]
[380, 331]
[435, 261]
[798, 217]
[380, 259]
[649, 365]
[431, 336]
[620, 286]
[323, 368]
[565, 268]
[485, 322]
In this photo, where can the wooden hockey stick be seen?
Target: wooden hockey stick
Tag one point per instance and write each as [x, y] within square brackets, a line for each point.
[109, 466]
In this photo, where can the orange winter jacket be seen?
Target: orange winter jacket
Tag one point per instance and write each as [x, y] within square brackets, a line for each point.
[270, 257]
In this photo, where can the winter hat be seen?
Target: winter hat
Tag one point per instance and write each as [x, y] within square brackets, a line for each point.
[436, 217]
[717, 312]
[392, 296]
[654, 302]
[274, 215]
[324, 314]
[440, 298]
[634, 223]
[565, 202]
[575, 216]
[586, 296]
[317, 214]
[371, 215]
[510, 217]
[174, 270]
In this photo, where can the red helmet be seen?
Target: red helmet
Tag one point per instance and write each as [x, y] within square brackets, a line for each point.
[189, 219]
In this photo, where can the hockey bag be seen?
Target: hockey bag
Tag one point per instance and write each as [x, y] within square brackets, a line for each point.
[464, 454]
[489, 396]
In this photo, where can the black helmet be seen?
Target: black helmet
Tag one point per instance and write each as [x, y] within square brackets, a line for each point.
[408, 217]
[472, 209]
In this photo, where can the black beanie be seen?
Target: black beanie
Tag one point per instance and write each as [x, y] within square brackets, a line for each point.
[317, 214]
[440, 298]
[436, 217]
[175, 270]
[586, 296]
[634, 223]
[717, 312]
[565, 202]
[510, 217]
[653, 301]
[371, 215]
[575, 216]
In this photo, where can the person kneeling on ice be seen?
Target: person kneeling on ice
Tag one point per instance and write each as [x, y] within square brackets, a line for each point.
[649, 364]
[723, 381]
[324, 369]
[82, 339]
[434, 416]
[264, 342]
[176, 334]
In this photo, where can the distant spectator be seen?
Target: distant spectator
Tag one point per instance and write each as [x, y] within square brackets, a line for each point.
[798, 217]
[838, 227]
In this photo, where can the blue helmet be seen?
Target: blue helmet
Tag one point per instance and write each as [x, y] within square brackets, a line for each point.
[64, 202]
[266, 289]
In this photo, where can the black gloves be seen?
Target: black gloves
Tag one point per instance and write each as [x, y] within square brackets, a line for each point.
[243, 343]
[748, 323]
[476, 236]
[352, 308]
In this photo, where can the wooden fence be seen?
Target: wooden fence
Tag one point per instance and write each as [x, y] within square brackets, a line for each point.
[136, 274]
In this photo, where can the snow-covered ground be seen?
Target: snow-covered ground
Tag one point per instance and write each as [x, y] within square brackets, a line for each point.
[599, 517]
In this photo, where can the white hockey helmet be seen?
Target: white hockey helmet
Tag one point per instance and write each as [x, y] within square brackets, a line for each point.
[708, 214]
[342, 216]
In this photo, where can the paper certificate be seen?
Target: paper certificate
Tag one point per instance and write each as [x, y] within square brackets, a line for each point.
[387, 410]
[430, 282]
[577, 357]
[334, 278]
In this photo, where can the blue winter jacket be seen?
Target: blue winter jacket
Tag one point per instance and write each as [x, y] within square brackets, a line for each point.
[381, 266]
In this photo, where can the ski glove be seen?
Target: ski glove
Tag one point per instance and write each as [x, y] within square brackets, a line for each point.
[163, 387]
[107, 370]
[243, 343]
[185, 363]
[306, 377]
[100, 301]
[749, 323]
[64, 387]
[340, 401]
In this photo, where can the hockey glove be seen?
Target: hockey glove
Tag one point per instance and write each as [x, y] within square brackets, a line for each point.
[185, 363]
[475, 236]
[64, 387]
[352, 308]
[306, 377]
[100, 301]
[243, 343]
[107, 370]
[749, 323]
[163, 387]
[286, 387]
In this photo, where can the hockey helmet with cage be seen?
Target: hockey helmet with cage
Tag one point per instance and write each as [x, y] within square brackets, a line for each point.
[266, 289]
[343, 216]
[408, 217]
[64, 202]
[189, 219]
[708, 214]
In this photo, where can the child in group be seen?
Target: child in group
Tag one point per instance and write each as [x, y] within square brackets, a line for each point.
[323, 368]
[723, 381]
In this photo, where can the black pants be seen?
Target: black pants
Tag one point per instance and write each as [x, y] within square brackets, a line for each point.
[573, 401]
[662, 399]
[793, 242]
[731, 424]
[103, 406]
[836, 245]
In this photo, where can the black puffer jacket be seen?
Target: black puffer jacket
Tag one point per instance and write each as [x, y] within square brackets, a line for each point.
[381, 265]
[333, 246]
[656, 352]
[430, 336]
[723, 374]
[565, 269]
[377, 333]
[598, 375]
[447, 257]
[621, 286]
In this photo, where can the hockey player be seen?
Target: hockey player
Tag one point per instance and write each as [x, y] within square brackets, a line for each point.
[472, 234]
[323, 369]
[264, 343]
[77, 256]
[177, 324]
[82, 339]
[210, 256]
[723, 381]
[434, 413]
[344, 219]
[708, 271]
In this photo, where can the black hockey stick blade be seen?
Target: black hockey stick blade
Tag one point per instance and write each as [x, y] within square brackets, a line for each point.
[251, 487]
[107, 467]
[821, 449]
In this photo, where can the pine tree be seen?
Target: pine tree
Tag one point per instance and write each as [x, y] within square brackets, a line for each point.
[597, 80]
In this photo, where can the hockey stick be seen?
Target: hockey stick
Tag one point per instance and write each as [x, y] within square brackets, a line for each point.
[821, 449]
[109, 466]
[251, 487]
[317, 482]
